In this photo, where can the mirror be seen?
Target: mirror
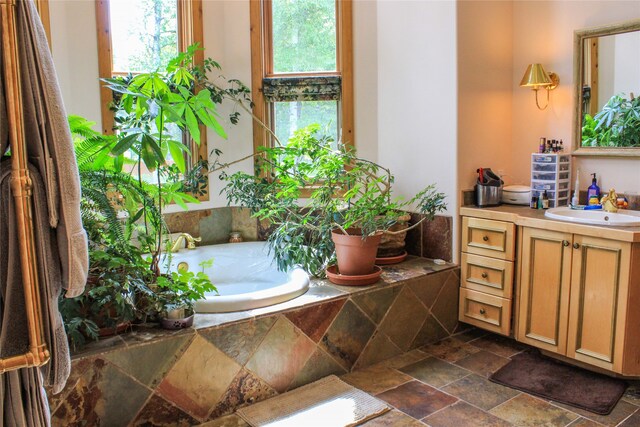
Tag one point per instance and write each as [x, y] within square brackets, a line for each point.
[607, 78]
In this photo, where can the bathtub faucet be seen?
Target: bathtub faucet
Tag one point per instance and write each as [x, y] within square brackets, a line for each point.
[186, 237]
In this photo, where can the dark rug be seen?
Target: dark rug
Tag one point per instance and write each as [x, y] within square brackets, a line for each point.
[545, 377]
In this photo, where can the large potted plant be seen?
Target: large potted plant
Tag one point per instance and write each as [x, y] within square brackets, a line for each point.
[312, 189]
[119, 204]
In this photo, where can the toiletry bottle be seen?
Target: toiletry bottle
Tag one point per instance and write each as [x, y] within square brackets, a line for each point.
[561, 147]
[534, 202]
[593, 192]
[548, 146]
[545, 200]
[542, 145]
[575, 200]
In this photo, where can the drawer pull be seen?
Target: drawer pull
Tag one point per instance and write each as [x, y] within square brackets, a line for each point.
[565, 243]
[484, 275]
[482, 311]
[485, 238]
[576, 245]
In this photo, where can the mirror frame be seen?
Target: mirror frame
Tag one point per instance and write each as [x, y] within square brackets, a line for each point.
[578, 39]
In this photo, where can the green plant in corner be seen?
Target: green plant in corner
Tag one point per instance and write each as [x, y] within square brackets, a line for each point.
[337, 190]
[118, 275]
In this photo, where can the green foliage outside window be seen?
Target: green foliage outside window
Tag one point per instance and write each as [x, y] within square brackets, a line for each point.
[304, 35]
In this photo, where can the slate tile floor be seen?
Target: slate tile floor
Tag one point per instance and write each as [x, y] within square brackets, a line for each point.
[445, 385]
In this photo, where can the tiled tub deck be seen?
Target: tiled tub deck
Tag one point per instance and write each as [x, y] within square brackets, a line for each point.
[154, 377]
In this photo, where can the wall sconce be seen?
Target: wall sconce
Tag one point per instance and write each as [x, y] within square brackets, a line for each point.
[536, 77]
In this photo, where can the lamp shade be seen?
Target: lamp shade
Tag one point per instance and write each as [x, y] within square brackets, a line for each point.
[535, 76]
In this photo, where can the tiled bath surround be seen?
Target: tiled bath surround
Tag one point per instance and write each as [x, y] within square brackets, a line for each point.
[231, 360]
[431, 239]
[214, 225]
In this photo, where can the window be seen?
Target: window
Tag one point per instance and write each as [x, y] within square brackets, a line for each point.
[137, 36]
[302, 67]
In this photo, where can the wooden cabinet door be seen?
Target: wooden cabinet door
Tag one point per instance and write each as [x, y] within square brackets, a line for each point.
[544, 289]
[598, 294]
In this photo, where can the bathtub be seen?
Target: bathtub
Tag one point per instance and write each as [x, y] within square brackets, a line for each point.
[245, 276]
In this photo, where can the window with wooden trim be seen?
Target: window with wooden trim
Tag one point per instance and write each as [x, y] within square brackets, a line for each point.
[302, 68]
[136, 36]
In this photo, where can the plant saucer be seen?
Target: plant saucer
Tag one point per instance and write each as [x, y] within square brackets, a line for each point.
[388, 260]
[359, 280]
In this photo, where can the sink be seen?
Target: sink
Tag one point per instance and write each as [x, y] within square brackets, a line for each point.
[623, 218]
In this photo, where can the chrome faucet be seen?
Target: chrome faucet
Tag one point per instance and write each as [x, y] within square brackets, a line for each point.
[188, 239]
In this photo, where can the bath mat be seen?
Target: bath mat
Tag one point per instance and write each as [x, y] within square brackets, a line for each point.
[326, 402]
[545, 377]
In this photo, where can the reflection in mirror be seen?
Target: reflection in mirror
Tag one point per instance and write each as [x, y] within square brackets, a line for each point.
[608, 85]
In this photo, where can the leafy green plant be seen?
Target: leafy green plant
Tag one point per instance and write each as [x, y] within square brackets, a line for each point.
[338, 189]
[180, 289]
[617, 125]
[148, 107]
[117, 280]
[119, 207]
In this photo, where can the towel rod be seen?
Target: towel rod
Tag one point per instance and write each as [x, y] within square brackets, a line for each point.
[37, 354]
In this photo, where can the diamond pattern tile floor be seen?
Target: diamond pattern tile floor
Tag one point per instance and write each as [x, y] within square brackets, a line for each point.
[445, 384]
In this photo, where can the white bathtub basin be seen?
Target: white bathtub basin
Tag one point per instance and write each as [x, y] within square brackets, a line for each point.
[623, 218]
[245, 276]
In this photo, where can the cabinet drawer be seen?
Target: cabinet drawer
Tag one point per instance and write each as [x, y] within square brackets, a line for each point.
[488, 275]
[485, 311]
[488, 237]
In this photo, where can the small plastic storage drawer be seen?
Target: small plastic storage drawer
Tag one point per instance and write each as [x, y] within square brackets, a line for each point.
[548, 158]
[544, 185]
[560, 202]
[549, 176]
[543, 167]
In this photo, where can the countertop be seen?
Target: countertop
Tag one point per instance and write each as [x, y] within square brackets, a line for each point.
[525, 216]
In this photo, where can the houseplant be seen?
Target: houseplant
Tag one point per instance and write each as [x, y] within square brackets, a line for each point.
[118, 205]
[175, 294]
[118, 274]
[340, 192]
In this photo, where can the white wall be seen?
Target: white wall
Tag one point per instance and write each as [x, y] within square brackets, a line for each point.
[417, 96]
[553, 24]
[75, 54]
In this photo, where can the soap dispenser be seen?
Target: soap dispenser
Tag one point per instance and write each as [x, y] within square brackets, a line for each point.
[593, 192]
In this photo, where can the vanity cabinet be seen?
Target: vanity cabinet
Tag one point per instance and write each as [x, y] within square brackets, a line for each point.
[486, 282]
[577, 298]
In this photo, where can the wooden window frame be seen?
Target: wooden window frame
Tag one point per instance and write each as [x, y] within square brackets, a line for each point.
[262, 67]
[42, 6]
[190, 31]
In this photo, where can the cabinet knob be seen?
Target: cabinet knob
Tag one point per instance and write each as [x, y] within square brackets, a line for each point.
[576, 245]
[565, 243]
[485, 238]
[482, 311]
[484, 275]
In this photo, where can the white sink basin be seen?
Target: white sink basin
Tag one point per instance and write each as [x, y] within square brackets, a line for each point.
[623, 218]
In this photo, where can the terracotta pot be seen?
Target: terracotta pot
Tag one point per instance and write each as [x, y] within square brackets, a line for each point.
[393, 245]
[356, 256]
